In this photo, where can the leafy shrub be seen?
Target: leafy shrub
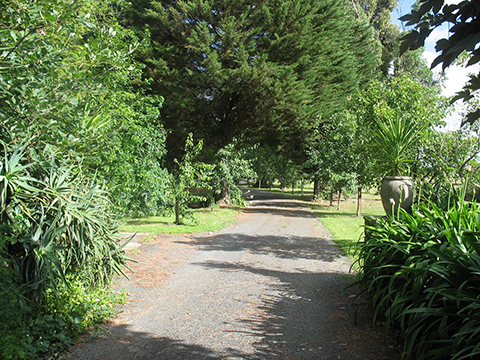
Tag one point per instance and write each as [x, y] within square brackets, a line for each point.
[35, 332]
[12, 342]
[57, 246]
[231, 167]
[53, 223]
[422, 273]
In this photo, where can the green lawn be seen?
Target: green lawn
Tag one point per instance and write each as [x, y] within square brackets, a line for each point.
[205, 220]
[346, 228]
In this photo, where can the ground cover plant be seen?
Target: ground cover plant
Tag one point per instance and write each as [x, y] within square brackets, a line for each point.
[421, 272]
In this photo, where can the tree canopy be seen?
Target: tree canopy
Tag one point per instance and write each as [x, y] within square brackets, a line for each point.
[464, 29]
[259, 71]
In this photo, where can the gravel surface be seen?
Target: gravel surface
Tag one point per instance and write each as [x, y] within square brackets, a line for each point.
[266, 288]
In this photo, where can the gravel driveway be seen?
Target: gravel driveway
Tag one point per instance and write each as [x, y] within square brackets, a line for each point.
[266, 288]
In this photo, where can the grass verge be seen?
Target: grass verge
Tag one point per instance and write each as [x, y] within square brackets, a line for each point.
[344, 225]
[205, 220]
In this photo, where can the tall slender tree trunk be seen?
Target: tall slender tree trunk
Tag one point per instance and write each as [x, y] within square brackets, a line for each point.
[359, 201]
[177, 211]
[301, 186]
[317, 189]
[338, 200]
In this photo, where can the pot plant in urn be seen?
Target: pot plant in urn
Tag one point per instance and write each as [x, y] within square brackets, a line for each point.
[396, 138]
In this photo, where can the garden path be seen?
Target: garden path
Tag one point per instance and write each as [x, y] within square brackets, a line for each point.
[266, 288]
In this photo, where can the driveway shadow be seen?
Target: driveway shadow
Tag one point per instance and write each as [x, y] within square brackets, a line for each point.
[305, 317]
[285, 247]
[122, 343]
[309, 318]
[282, 209]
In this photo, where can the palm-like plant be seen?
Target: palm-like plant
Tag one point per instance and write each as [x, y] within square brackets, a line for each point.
[396, 137]
[53, 224]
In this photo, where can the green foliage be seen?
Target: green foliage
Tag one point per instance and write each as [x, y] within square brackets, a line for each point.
[421, 273]
[190, 175]
[68, 79]
[55, 228]
[263, 72]
[333, 159]
[130, 157]
[265, 160]
[403, 103]
[53, 224]
[12, 342]
[463, 37]
[452, 156]
[413, 63]
[54, 69]
[70, 90]
[396, 136]
[38, 332]
[80, 306]
[270, 164]
[377, 13]
[231, 166]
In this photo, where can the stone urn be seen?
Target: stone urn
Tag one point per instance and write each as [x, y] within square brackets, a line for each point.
[397, 191]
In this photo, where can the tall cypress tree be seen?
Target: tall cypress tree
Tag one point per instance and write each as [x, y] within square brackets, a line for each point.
[264, 71]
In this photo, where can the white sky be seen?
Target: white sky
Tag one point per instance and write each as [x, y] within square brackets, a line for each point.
[456, 76]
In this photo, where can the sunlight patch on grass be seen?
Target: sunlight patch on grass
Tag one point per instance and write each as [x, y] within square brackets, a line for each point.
[345, 227]
[206, 220]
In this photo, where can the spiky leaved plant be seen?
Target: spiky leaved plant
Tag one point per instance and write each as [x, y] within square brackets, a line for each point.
[422, 275]
[53, 223]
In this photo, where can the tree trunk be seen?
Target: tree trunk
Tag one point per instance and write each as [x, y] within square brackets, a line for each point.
[293, 187]
[338, 200]
[259, 184]
[301, 187]
[177, 211]
[227, 200]
[224, 196]
[359, 201]
[317, 189]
